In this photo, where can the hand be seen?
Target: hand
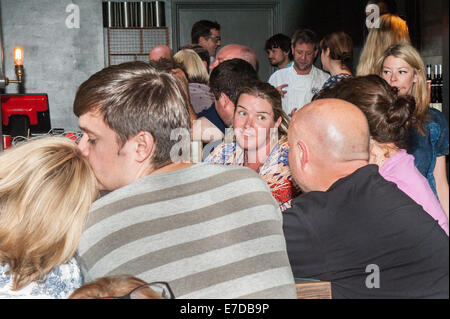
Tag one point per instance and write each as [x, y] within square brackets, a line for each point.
[293, 112]
[280, 89]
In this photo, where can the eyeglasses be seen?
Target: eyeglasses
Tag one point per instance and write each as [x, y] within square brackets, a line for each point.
[161, 288]
[215, 39]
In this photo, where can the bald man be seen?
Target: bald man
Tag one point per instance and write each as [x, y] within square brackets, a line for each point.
[236, 51]
[352, 227]
[335, 145]
[160, 52]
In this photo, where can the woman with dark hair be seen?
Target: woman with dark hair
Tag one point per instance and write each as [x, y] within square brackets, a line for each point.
[390, 118]
[337, 56]
[260, 140]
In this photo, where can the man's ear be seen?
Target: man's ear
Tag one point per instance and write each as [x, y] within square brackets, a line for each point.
[224, 99]
[371, 145]
[201, 40]
[225, 109]
[229, 104]
[145, 145]
[225, 102]
[374, 152]
[304, 155]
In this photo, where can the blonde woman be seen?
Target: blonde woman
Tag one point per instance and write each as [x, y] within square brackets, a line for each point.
[402, 67]
[392, 30]
[46, 189]
[198, 78]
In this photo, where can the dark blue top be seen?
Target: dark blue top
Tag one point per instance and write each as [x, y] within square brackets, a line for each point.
[212, 115]
[431, 146]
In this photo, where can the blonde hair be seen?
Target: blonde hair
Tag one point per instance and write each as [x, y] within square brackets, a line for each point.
[392, 30]
[113, 286]
[193, 66]
[46, 189]
[410, 55]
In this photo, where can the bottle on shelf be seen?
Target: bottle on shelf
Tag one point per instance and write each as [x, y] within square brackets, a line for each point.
[435, 101]
[429, 81]
[429, 74]
[440, 86]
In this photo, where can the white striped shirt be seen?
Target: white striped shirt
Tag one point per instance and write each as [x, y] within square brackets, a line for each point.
[210, 231]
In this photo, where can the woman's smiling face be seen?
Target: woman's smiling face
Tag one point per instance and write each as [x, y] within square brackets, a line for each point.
[253, 120]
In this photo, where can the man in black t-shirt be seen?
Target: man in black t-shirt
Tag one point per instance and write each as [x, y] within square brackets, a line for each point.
[352, 227]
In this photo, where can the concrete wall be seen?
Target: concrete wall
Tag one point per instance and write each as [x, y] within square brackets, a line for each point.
[57, 59]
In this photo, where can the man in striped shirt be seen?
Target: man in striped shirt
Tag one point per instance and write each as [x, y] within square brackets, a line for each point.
[209, 231]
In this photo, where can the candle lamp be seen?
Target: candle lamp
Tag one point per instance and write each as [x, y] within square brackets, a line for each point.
[18, 67]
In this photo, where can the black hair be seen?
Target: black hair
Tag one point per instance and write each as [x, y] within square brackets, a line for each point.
[230, 76]
[202, 28]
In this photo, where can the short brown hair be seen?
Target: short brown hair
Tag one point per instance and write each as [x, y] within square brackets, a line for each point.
[203, 28]
[135, 97]
[305, 36]
[230, 76]
[390, 116]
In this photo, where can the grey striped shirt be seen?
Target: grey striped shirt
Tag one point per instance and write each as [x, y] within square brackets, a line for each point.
[210, 231]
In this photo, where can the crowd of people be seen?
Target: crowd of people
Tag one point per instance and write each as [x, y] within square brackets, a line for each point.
[324, 174]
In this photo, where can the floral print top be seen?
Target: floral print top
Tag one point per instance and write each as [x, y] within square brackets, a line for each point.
[332, 80]
[57, 284]
[275, 170]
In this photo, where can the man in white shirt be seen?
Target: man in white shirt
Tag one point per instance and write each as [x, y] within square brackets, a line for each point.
[300, 82]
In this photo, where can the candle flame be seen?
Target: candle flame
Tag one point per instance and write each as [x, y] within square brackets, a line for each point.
[18, 56]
